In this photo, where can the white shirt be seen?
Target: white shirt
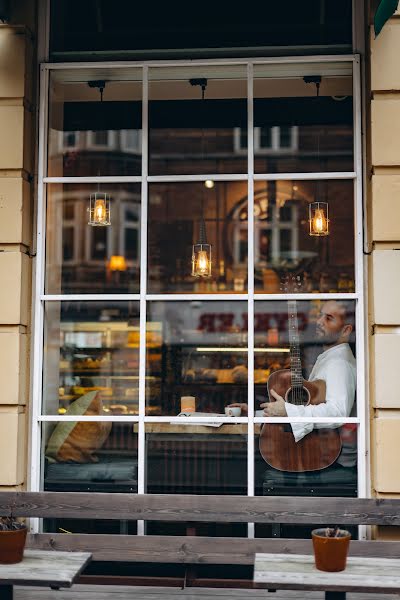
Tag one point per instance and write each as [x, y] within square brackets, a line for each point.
[337, 367]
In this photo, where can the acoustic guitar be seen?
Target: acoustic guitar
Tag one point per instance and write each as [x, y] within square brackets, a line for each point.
[321, 447]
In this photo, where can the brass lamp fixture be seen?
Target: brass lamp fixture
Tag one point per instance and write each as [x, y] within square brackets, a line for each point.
[99, 209]
[99, 202]
[201, 251]
[318, 215]
[318, 218]
[201, 255]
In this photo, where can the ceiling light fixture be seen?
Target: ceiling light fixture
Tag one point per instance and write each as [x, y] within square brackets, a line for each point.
[99, 202]
[201, 251]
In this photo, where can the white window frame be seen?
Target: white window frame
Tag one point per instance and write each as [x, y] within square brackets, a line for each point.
[40, 297]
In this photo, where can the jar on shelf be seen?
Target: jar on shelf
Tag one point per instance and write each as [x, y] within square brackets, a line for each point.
[343, 283]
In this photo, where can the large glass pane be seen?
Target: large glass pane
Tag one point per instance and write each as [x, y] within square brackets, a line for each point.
[196, 350]
[283, 245]
[339, 479]
[195, 115]
[91, 358]
[89, 457]
[81, 258]
[176, 211]
[95, 120]
[303, 118]
[196, 459]
[305, 355]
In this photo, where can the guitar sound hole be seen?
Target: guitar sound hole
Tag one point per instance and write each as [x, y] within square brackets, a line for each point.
[298, 395]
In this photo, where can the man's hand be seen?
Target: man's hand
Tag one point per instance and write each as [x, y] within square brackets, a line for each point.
[276, 408]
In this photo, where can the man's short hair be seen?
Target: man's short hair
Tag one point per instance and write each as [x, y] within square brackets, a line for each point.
[349, 311]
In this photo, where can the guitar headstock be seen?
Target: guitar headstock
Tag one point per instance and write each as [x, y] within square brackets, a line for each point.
[291, 284]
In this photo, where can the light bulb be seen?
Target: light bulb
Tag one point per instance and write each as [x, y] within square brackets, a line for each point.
[202, 262]
[319, 221]
[209, 184]
[100, 211]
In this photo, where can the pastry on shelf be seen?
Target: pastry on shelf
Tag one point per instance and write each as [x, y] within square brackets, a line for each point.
[208, 375]
[224, 376]
[261, 375]
[240, 374]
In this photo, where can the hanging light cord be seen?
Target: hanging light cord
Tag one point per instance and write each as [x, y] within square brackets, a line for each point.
[202, 82]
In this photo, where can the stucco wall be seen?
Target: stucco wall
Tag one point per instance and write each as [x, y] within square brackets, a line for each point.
[384, 262]
[16, 184]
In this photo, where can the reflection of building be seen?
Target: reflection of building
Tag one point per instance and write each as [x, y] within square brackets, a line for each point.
[305, 147]
[88, 262]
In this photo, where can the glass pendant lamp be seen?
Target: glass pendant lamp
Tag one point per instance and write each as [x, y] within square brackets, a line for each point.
[318, 218]
[201, 254]
[99, 202]
[201, 251]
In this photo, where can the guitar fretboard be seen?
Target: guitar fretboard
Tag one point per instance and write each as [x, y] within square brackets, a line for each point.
[294, 341]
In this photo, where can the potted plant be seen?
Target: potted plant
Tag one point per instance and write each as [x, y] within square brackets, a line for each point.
[331, 546]
[12, 540]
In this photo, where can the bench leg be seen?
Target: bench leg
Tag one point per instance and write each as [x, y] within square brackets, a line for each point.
[335, 595]
[6, 592]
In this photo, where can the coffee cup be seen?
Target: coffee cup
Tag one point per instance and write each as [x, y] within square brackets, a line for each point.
[233, 411]
[188, 404]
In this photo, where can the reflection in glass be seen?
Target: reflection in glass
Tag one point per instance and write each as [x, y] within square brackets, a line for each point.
[89, 457]
[196, 459]
[188, 134]
[315, 341]
[81, 258]
[91, 136]
[283, 244]
[91, 361]
[299, 128]
[196, 349]
[176, 211]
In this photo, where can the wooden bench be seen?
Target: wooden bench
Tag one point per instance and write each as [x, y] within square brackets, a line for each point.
[196, 553]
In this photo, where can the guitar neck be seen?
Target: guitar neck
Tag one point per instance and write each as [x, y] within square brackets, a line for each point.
[294, 341]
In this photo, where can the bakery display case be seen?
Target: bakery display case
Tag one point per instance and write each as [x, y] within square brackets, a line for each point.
[102, 357]
[91, 347]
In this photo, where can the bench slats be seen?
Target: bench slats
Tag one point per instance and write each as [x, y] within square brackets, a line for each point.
[179, 508]
[191, 549]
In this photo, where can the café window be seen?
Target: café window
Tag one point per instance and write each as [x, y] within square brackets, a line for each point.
[156, 378]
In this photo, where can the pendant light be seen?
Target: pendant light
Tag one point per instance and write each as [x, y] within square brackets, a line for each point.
[318, 218]
[318, 212]
[201, 251]
[99, 202]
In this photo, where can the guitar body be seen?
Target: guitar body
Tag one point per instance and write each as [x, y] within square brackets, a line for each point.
[317, 450]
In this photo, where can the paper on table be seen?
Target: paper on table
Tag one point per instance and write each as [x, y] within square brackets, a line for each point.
[201, 414]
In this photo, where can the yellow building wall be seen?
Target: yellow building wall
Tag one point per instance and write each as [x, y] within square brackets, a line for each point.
[384, 264]
[17, 118]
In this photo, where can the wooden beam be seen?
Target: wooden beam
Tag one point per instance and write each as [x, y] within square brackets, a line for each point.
[191, 550]
[210, 509]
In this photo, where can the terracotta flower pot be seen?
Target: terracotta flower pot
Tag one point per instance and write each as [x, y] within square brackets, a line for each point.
[330, 552]
[12, 545]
